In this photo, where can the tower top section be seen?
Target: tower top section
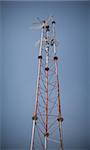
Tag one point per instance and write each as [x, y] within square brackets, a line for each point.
[48, 33]
[45, 24]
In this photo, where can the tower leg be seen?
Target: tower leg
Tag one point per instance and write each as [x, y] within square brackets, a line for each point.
[46, 119]
[61, 137]
[45, 143]
[32, 138]
[60, 118]
[36, 105]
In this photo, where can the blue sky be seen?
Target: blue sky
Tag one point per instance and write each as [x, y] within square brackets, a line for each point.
[19, 70]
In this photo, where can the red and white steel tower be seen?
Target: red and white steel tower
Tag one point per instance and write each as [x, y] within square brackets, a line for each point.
[47, 117]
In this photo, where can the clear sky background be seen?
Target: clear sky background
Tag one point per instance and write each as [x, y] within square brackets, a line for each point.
[18, 70]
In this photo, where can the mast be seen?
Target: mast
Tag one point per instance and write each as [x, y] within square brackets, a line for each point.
[47, 117]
